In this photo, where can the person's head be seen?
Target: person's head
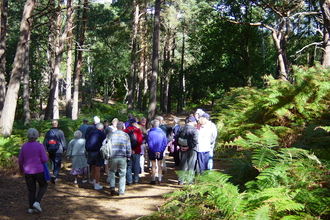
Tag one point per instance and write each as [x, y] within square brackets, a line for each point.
[129, 116]
[85, 121]
[155, 123]
[207, 116]
[114, 121]
[32, 134]
[131, 121]
[202, 121]
[176, 120]
[143, 121]
[160, 119]
[96, 120]
[54, 123]
[199, 112]
[190, 119]
[107, 130]
[120, 125]
[136, 118]
[99, 126]
[106, 122]
[77, 134]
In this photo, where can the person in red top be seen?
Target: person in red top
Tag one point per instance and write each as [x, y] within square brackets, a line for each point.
[133, 165]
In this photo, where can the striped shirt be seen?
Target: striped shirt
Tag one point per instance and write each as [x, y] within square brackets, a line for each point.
[121, 144]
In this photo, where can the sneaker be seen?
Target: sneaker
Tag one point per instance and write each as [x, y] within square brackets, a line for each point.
[84, 181]
[97, 186]
[36, 205]
[30, 211]
[75, 182]
[153, 182]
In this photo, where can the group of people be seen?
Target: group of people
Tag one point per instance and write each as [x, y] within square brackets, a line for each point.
[131, 144]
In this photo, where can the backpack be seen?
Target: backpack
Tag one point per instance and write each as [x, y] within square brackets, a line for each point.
[132, 138]
[52, 142]
[106, 149]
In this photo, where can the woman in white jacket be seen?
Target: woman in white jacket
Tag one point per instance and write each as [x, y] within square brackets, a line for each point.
[204, 144]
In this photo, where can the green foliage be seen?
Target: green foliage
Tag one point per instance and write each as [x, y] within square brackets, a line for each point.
[9, 147]
[289, 188]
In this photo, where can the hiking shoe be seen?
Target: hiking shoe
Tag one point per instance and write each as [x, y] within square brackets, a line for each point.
[128, 184]
[84, 181]
[159, 182]
[153, 182]
[52, 179]
[30, 211]
[36, 205]
[112, 191]
[97, 186]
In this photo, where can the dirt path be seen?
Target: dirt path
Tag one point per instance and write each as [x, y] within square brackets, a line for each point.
[66, 200]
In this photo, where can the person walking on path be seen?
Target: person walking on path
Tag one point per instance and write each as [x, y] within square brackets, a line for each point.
[121, 153]
[157, 142]
[133, 165]
[76, 152]
[93, 145]
[30, 161]
[54, 139]
[187, 139]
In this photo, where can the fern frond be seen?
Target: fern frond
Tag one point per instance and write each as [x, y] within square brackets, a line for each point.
[263, 157]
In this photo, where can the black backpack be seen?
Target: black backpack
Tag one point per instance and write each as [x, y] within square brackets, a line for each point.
[53, 143]
[132, 138]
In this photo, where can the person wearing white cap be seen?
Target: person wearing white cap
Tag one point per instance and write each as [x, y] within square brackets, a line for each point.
[92, 127]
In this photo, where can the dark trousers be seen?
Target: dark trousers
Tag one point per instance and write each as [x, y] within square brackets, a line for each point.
[55, 160]
[31, 182]
[202, 160]
[176, 154]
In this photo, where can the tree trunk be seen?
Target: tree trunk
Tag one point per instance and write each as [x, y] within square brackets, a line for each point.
[143, 41]
[26, 88]
[3, 31]
[182, 87]
[51, 67]
[131, 86]
[8, 113]
[79, 63]
[68, 94]
[325, 6]
[154, 74]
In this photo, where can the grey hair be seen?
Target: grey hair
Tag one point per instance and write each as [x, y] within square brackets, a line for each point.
[120, 125]
[155, 123]
[159, 118]
[32, 134]
[77, 134]
[99, 126]
[176, 120]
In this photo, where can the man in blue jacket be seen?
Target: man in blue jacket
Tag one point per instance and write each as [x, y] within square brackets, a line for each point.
[156, 145]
